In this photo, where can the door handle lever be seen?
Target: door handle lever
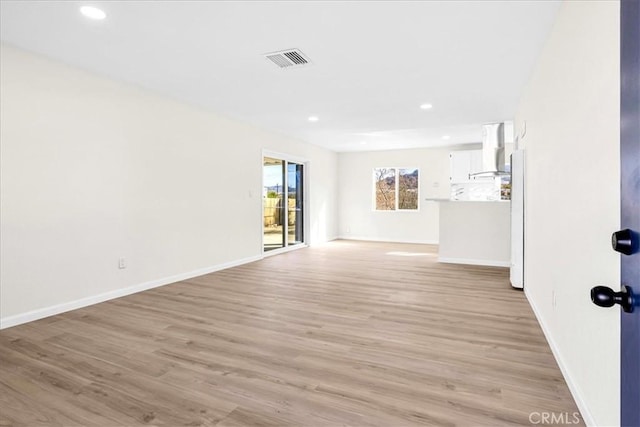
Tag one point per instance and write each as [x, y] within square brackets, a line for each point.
[606, 297]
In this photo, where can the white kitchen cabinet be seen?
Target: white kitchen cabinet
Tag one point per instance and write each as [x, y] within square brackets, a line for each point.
[476, 162]
[475, 233]
[464, 164]
[460, 162]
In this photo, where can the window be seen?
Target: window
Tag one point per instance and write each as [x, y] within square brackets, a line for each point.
[395, 189]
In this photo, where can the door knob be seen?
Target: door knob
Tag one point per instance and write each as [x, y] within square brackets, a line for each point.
[607, 297]
[625, 241]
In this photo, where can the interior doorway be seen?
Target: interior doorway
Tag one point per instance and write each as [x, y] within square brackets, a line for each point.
[283, 203]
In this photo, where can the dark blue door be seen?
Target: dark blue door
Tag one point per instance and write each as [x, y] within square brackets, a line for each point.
[627, 239]
[630, 206]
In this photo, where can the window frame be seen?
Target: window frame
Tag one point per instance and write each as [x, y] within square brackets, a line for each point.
[396, 192]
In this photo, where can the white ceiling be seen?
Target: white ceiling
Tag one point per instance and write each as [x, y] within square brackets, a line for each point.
[374, 63]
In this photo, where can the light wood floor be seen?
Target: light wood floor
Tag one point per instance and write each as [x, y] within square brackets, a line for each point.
[349, 333]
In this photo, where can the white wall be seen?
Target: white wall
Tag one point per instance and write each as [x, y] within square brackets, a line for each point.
[357, 218]
[94, 170]
[571, 109]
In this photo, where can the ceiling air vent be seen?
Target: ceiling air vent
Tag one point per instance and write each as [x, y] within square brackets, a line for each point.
[288, 58]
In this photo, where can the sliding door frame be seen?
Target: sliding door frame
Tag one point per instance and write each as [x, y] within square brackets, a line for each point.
[306, 223]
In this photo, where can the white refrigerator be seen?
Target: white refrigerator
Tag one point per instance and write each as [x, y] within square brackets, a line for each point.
[517, 219]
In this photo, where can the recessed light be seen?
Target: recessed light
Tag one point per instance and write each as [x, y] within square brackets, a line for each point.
[93, 12]
[313, 118]
[426, 106]
[363, 143]
[446, 137]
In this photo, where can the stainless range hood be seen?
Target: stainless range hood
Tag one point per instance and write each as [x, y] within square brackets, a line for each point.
[492, 150]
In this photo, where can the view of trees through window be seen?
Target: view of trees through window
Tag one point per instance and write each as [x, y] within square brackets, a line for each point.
[396, 188]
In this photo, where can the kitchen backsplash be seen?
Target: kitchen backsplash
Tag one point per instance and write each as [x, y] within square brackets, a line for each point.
[488, 189]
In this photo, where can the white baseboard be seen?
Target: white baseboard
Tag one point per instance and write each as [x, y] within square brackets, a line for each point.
[577, 396]
[374, 239]
[30, 316]
[323, 241]
[487, 262]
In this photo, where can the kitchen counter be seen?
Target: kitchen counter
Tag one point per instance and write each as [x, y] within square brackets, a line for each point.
[475, 233]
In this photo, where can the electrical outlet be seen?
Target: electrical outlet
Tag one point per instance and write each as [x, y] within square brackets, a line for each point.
[122, 263]
[553, 298]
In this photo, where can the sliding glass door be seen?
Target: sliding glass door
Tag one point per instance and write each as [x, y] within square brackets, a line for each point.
[283, 203]
[294, 197]
[273, 196]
